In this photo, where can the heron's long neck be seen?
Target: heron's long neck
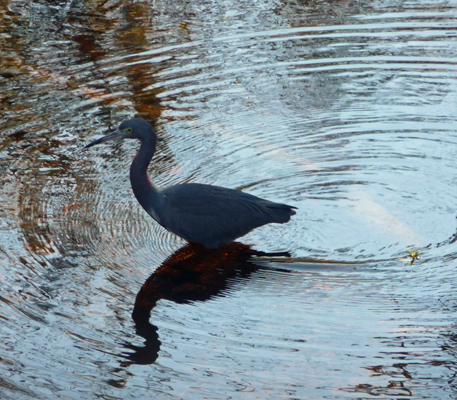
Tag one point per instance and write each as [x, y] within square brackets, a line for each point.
[147, 194]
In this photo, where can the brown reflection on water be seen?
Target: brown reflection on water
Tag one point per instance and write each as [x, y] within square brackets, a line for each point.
[73, 67]
[135, 38]
[36, 84]
[193, 273]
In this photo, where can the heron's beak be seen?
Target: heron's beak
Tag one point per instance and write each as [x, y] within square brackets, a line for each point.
[112, 136]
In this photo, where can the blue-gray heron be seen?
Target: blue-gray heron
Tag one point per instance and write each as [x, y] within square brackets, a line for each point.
[211, 215]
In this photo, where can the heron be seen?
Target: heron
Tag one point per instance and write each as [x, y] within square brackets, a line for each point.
[210, 215]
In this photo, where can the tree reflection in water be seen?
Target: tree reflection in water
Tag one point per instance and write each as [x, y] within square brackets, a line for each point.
[191, 273]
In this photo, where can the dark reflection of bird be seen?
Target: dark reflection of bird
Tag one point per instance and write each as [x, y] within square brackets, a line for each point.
[205, 214]
[192, 273]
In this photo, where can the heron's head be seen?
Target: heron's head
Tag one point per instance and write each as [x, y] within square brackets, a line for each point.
[135, 128]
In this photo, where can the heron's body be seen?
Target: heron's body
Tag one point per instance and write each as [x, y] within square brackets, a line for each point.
[206, 214]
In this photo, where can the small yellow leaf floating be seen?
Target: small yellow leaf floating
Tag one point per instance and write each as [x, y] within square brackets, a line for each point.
[183, 25]
[414, 256]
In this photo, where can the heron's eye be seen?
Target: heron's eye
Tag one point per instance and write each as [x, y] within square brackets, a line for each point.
[128, 131]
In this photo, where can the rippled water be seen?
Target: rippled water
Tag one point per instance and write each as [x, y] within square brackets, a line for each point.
[346, 110]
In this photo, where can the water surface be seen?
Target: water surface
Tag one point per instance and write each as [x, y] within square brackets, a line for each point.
[345, 110]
